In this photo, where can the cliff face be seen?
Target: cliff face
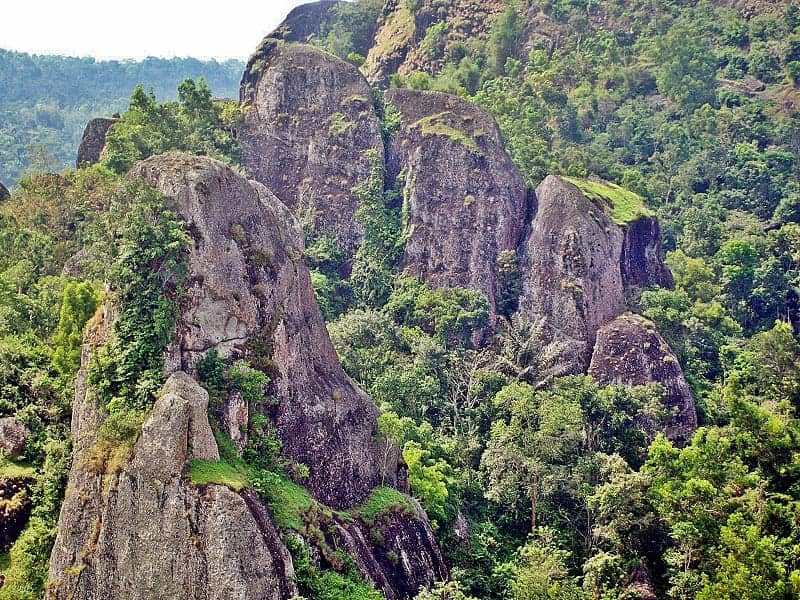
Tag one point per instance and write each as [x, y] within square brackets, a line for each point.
[143, 531]
[398, 44]
[311, 134]
[629, 351]
[304, 23]
[570, 264]
[134, 525]
[465, 201]
[641, 262]
[249, 290]
[93, 141]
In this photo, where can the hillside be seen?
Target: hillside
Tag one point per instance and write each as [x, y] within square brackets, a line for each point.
[47, 100]
[470, 300]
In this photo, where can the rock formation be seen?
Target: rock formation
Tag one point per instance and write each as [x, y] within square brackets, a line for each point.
[311, 134]
[580, 262]
[135, 526]
[249, 289]
[397, 47]
[306, 22]
[93, 141]
[13, 436]
[629, 351]
[465, 201]
[143, 531]
[4, 193]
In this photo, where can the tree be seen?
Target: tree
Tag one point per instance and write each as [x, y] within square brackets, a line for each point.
[79, 302]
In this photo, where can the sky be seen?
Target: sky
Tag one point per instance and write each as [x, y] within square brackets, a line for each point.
[109, 29]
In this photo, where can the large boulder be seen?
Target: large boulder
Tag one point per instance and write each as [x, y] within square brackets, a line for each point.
[629, 351]
[4, 193]
[250, 295]
[310, 134]
[140, 530]
[13, 436]
[465, 201]
[590, 248]
[93, 142]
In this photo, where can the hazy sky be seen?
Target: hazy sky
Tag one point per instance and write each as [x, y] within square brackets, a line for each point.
[139, 28]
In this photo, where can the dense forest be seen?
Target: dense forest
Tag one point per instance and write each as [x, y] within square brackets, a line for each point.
[539, 484]
[47, 101]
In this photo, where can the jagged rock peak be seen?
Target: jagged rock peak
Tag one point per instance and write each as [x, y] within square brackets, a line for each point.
[305, 22]
[310, 134]
[93, 141]
[144, 532]
[590, 247]
[250, 293]
[629, 351]
[466, 202]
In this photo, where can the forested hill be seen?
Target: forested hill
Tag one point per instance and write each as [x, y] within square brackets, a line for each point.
[47, 100]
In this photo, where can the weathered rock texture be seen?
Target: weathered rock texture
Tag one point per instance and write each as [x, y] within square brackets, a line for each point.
[629, 351]
[93, 141]
[13, 436]
[397, 47]
[465, 201]
[133, 526]
[580, 268]
[143, 531]
[310, 134]
[250, 295]
[4, 193]
[570, 264]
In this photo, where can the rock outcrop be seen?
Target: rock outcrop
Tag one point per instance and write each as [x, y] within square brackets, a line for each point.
[143, 531]
[13, 436]
[306, 22]
[134, 525]
[250, 295]
[310, 134]
[582, 260]
[93, 142]
[571, 278]
[398, 47]
[629, 351]
[465, 201]
[4, 193]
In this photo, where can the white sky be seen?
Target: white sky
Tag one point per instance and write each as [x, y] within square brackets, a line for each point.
[107, 29]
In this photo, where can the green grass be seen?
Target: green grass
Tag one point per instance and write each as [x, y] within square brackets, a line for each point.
[621, 205]
[287, 500]
[206, 472]
[339, 125]
[434, 125]
[382, 501]
[10, 469]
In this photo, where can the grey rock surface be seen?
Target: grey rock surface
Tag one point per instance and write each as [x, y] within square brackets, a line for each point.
[250, 296]
[13, 436]
[629, 351]
[465, 201]
[143, 531]
[310, 134]
[571, 277]
[93, 141]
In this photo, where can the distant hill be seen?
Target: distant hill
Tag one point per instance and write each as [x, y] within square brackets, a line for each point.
[47, 100]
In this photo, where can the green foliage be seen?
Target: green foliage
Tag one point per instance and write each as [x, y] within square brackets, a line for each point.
[195, 124]
[79, 303]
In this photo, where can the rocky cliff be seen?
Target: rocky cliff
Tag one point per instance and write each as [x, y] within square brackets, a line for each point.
[93, 141]
[311, 134]
[400, 41]
[629, 351]
[465, 201]
[306, 22]
[136, 522]
[587, 250]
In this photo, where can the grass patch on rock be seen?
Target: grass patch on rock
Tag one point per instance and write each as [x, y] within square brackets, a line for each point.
[206, 472]
[382, 501]
[621, 205]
